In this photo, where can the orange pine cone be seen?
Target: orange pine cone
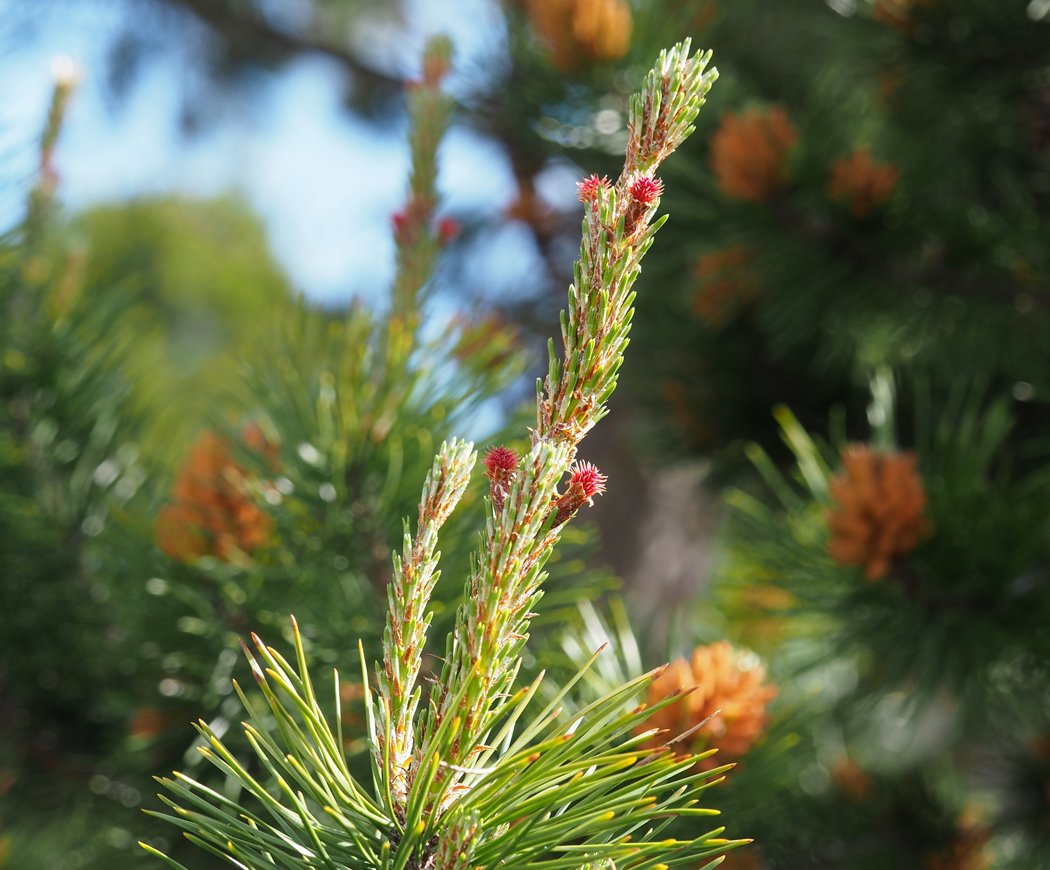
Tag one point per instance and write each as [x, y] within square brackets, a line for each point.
[861, 182]
[717, 678]
[212, 512]
[880, 515]
[725, 282]
[749, 153]
[582, 30]
[203, 465]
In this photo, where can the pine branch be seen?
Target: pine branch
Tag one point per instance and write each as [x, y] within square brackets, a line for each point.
[41, 200]
[417, 238]
[481, 781]
[415, 574]
[618, 229]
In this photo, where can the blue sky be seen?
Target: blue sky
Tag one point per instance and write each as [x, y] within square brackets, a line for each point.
[323, 183]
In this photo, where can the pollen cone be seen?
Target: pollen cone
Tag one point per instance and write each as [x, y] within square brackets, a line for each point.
[880, 513]
[212, 511]
[723, 681]
[576, 32]
[861, 183]
[749, 153]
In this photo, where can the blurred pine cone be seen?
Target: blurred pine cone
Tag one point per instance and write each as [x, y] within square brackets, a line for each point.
[861, 183]
[212, 511]
[579, 31]
[717, 678]
[749, 152]
[880, 515]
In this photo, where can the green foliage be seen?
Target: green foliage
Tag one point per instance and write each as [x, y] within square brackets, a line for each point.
[78, 625]
[471, 781]
[352, 407]
[203, 283]
[968, 598]
[944, 268]
[319, 813]
[917, 668]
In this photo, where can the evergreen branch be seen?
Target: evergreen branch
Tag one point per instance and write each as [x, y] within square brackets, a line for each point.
[456, 849]
[41, 203]
[618, 229]
[417, 239]
[314, 809]
[415, 574]
[584, 788]
[565, 793]
[590, 789]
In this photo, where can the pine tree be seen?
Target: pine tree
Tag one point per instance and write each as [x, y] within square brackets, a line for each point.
[472, 779]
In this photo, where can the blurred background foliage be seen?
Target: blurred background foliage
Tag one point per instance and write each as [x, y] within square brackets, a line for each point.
[202, 281]
[830, 447]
